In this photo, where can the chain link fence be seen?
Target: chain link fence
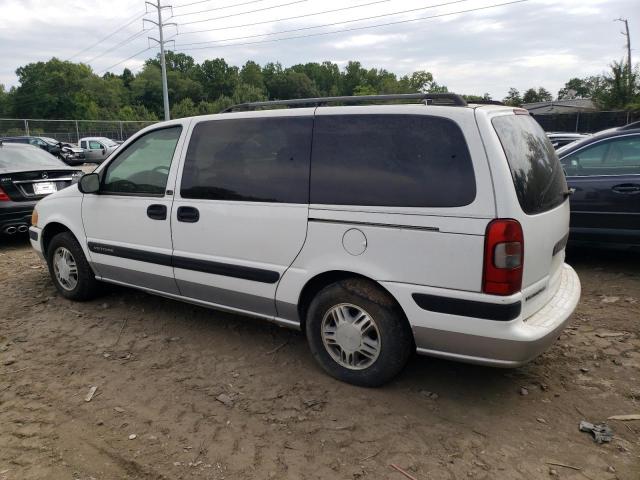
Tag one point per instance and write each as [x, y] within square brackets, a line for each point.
[585, 122]
[71, 130]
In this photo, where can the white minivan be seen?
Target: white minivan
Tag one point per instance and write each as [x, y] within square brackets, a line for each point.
[377, 229]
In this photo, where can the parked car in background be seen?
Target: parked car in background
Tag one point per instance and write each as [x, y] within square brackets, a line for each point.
[72, 154]
[377, 229]
[96, 149]
[67, 152]
[28, 174]
[47, 144]
[628, 126]
[560, 139]
[604, 173]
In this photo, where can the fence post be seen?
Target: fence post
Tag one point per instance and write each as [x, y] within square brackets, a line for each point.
[121, 131]
[627, 118]
[577, 120]
[26, 127]
[77, 133]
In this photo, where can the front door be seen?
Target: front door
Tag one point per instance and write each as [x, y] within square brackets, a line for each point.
[127, 223]
[240, 214]
[605, 205]
[94, 153]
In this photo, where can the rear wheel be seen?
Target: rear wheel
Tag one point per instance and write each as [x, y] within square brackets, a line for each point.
[357, 333]
[69, 269]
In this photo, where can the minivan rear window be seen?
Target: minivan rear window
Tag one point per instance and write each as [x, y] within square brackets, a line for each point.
[535, 168]
[390, 160]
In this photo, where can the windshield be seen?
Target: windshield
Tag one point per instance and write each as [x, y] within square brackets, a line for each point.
[27, 158]
[50, 140]
[535, 168]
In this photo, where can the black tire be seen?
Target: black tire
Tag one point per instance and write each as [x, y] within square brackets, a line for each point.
[395, 338]
[87, 286]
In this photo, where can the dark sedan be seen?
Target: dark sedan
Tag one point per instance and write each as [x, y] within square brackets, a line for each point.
[604, 173]
[27, 174]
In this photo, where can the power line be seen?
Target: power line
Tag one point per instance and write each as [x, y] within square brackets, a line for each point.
[289, 18]
[137, 17]
[216, 8]
[122, 61]
[328, 24]
[245, 12]
[182, 5]
[129, 39]
[398, 22]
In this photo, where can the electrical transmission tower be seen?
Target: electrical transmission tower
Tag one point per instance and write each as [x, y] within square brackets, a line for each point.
[161, 41]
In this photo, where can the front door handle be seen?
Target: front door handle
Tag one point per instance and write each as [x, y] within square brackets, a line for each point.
[628, 188]
[188, 214]
[157, 212]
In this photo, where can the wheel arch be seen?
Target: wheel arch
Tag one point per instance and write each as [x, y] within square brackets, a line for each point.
[322, 280]
[51, 230]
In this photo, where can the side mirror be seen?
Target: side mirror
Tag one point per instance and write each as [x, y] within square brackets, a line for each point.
[89, 183]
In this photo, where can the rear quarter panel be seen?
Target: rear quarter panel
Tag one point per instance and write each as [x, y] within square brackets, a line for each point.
[440, 247]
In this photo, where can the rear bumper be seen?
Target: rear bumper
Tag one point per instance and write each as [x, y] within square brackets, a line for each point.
[15, 214]
[497, 343]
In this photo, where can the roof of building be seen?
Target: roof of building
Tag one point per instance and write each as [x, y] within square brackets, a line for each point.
[561, 106]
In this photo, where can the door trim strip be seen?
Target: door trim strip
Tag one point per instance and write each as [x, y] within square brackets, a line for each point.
[370, 224]
[186, 263]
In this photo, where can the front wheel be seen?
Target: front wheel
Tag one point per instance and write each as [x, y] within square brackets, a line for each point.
[69, 269]
[357, 333]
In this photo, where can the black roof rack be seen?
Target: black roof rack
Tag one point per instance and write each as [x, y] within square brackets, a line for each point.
[449, 99]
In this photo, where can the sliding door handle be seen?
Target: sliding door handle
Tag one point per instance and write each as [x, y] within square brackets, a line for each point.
[188, 214]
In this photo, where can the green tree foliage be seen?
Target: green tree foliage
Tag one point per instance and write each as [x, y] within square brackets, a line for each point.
[532, 95]
[513, 98]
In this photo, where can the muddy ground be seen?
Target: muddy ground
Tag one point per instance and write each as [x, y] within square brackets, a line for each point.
[160, 367]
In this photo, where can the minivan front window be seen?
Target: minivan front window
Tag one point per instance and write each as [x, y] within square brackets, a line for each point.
[535, 168]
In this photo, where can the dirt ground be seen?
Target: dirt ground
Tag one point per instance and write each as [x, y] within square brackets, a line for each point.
[160, 367]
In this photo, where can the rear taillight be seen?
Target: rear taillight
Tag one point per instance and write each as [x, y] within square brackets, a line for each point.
[3, 196]
[503, 257]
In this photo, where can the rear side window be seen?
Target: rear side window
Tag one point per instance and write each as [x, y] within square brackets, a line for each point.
[253, 159]
[390, 160]
[535, 168]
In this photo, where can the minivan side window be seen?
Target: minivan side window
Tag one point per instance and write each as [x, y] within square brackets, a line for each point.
[143, 167]
[250, 159]
[390, 160]
[620, 156]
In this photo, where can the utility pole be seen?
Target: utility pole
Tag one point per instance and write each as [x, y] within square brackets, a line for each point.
[161, 41]
[626, 34]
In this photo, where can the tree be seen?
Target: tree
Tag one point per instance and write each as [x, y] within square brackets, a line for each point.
[217, 78]
[251, 74]
[575, 88]
[613, 90]
[513, 98]
[532, 95]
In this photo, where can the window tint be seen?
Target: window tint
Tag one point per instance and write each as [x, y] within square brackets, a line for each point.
[257, 159]
[83, 144]
[535, 168]
[143, 167]
[620, 156]
[390, 160]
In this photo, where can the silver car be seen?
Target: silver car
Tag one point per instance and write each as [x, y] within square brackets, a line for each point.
[96, 149]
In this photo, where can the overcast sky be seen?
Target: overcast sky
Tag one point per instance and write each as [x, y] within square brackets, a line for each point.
[528, 44]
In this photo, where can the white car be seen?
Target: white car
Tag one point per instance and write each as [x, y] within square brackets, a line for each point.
[97, 149]
[379, 230]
